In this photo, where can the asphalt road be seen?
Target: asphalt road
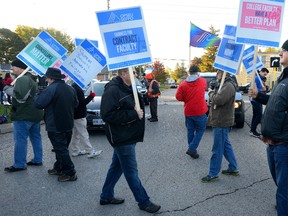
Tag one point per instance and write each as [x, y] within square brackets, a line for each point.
[171, 178]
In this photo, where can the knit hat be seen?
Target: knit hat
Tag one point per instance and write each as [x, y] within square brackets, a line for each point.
[54, 73]
[18, 63]
[285, 45]
[194, 69]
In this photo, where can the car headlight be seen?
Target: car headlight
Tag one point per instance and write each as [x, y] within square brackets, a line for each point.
[237, 104]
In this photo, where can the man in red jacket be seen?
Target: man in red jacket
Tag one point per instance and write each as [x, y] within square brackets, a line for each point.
[192, 93]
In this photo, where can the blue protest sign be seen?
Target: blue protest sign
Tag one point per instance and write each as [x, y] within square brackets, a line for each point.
[124, 36]
[84, 63]
[78, 41]
[248, 60]
[229, 53]
[42, 52]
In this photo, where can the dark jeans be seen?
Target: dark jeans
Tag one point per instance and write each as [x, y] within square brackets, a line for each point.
[153, 107]
[257, 115]
[278, 164]
[124, 161]
[60, 142]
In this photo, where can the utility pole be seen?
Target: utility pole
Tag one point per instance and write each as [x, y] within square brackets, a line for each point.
[108, 4]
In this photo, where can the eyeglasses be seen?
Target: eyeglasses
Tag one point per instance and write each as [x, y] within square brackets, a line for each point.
[283, 50]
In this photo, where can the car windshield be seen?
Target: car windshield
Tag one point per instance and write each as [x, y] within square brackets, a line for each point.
[98, 88]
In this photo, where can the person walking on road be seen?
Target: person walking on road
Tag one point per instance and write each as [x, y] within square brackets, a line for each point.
[80, 143]
[221, 119]
[26, 119]
[192, 93]
[124, 128]
[257, 107]
[274, 129]
[59, 101]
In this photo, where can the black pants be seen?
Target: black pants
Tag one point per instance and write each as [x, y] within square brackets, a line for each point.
[153, 107]
[257, 115]
[60, 142]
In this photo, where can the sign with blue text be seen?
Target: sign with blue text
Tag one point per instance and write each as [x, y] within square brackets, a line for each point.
[229, 53]
[124, 36]
[248, 60]
[78, 41]
[42, 52]
[260, 22]
[84, 63]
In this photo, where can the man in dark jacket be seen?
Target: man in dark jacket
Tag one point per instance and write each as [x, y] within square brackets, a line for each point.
[124, 128]
[274, 129]
[153, 93]
[58, 101]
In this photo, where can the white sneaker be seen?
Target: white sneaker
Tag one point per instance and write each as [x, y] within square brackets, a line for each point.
[94, 154]
[75, 154]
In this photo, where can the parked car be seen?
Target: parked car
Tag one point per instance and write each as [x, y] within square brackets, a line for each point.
[94, 120]
[244, 88]
[239, 102]
[173, 85]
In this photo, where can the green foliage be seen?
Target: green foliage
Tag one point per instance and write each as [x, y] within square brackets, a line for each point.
[180, 71]
[196, 61]
[27, 34]
[207, 60]
[10, 45]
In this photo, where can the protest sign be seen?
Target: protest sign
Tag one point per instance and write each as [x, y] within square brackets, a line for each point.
[248, 59]
[229, 53]
[42, 52]
[78, 41]
[84, 63]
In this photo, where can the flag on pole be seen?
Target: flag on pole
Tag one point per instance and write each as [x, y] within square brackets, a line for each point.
[201, 38]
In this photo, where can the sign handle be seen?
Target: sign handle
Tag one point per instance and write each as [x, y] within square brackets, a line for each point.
[135, 92]
[221, 84]
[22, 74]
[254, 67]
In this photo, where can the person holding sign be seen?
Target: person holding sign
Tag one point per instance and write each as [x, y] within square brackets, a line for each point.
[257, 107]
[59, 101]
[274, 129]
[221, 118]
[124, 128]
[26, 119]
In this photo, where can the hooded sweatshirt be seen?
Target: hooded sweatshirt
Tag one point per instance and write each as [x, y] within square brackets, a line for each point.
[192, 93]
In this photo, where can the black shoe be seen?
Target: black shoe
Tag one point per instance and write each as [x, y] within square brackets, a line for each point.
[192, 154]
[114, 201]
[230, 172]
[153, 120]
[14, 169]
[64, 178]
[31, 163]
[208, 179]
[255, 134]
[149, 118]
[54, 172]
[151, 208]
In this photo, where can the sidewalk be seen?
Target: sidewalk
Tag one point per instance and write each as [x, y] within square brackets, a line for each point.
[6, 128]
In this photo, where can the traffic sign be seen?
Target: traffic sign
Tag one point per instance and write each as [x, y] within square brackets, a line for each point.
[274, 61]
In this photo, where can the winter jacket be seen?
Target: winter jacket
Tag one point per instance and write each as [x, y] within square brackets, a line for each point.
[24, 92]
[221, 112]
[192, 93]
[274, 124]
[58, 101]
[81, 110]
[123, 126]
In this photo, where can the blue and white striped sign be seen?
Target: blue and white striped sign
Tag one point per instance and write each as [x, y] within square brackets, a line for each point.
[78, 41]
[229, 53]
[124, 36]
[84, 63]
[248, 60]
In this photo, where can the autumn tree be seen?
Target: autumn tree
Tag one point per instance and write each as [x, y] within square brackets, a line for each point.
[159, 71]
[208, 58]
[196, 61]
[10, 45]
[180, 71]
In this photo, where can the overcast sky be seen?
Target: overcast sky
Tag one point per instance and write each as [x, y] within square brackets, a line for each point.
[167, 22]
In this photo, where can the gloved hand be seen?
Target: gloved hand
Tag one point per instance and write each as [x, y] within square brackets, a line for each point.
[210, 91]
[92, 94]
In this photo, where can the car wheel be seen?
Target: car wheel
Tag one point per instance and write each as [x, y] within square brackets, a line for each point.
[240, 122]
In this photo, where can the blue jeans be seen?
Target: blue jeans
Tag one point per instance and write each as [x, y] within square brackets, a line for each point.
[124, 161]
[221, 146]
[277, 156]
[196, 126]
[60, 142]
[23, 130]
